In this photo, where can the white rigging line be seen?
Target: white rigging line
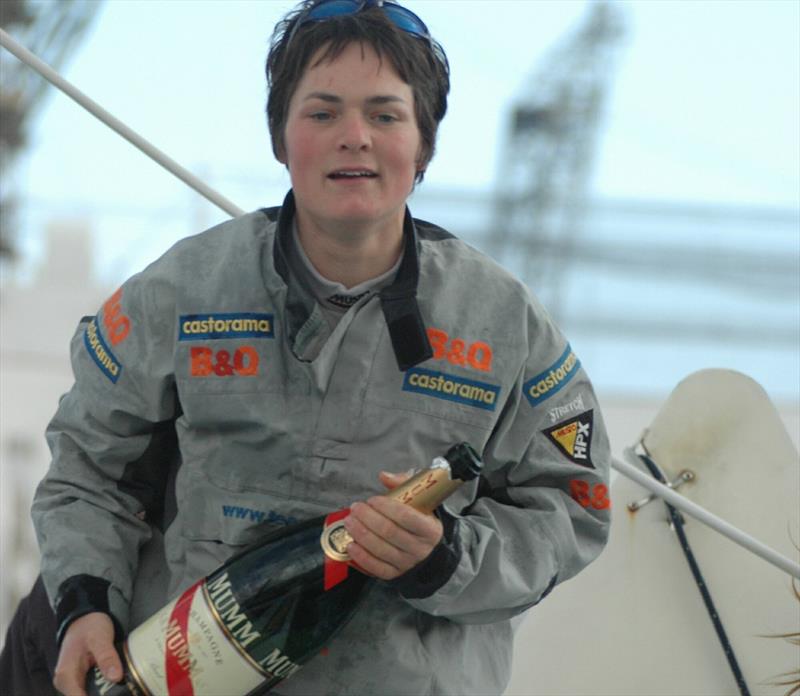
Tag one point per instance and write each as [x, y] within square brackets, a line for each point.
[115, 124]
[716, 523]
[631, 472]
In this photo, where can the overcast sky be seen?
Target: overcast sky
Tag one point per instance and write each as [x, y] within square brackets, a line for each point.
[704, 105]
[704, 102]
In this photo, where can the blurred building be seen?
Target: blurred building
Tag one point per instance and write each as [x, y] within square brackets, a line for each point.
[37, 320]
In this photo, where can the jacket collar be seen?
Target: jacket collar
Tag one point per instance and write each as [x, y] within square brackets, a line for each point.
[398, 300]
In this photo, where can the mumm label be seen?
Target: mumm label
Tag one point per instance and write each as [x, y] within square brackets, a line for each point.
[229, 611]
[177, 645]
[242, 630]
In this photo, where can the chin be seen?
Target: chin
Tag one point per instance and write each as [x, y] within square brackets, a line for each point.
[358, 214]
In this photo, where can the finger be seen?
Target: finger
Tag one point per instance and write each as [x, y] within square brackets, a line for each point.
[385, 541]
[70, 673]
[367, 563]
[106, 657]
[413, 521]
[378, 536]
[391, 480]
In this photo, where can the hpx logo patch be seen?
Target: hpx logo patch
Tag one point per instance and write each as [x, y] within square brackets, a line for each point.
[100, 352]
[573, 438]
[451, 388]
[204, 327]
[554, 378]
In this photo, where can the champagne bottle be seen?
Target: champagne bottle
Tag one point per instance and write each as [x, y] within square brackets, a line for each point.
[269, 609]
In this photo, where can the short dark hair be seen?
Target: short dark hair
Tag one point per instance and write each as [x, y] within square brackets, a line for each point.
[419, 62]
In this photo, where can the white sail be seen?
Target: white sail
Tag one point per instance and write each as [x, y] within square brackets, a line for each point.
[634, 622]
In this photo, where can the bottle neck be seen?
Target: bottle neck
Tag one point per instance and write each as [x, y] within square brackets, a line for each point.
[426, 490]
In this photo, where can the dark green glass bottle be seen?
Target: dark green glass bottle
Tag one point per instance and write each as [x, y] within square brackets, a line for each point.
[258, 618]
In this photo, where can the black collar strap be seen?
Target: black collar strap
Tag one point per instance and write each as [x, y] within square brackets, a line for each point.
[398, 300]
[400, 308]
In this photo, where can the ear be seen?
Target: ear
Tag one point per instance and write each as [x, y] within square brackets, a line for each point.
[423, 160]
[279, 150]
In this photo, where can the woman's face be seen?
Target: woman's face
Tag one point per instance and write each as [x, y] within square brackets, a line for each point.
[352, 141]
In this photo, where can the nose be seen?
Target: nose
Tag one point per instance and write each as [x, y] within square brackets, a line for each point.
[355, 133]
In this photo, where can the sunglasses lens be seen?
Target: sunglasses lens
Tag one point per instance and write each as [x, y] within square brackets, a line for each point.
[401, 17]
[406, 20]
[333, 8]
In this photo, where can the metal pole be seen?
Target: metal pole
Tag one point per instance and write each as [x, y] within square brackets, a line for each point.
[735, 534]
[115, 124]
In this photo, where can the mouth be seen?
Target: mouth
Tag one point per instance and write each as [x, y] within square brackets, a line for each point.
[352, 174]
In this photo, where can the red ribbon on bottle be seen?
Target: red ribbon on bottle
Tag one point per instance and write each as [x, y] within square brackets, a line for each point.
[335, 571]
[177, 659]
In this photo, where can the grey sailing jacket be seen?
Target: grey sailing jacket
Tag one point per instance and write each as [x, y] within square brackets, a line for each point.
[278, 418]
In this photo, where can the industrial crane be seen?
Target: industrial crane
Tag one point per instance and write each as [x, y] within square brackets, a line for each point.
[52, 30]
[546, 159]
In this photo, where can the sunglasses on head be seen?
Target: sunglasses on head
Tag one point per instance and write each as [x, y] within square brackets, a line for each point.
[400, 16]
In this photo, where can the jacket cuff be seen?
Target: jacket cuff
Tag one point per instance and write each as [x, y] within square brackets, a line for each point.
[80, 595]
[427, 577]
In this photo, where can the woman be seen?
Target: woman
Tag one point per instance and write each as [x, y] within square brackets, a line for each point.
[302, 353]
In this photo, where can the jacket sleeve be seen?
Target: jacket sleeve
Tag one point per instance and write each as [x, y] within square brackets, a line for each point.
[91, 509]
[542, 512]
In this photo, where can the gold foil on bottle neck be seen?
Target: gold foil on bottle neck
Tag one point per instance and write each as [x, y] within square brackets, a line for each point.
[426, 490]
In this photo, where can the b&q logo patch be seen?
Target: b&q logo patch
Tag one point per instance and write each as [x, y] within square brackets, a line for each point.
[205, 362]
[573, 438]
[456, 351]
[117, 324]
[587, 496]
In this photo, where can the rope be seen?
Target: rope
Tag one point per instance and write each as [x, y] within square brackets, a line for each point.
[115, 124]
[677, 522]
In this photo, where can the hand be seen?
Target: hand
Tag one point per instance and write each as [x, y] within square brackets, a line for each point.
[389, 537]
[89, 641]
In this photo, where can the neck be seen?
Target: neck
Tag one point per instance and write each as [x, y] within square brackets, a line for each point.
[353, 254]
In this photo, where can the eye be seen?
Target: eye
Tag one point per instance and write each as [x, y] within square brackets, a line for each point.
[321, 116]
[385, 118]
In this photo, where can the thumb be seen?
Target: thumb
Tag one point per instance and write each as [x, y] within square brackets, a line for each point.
[392, 480]
[106, 657]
